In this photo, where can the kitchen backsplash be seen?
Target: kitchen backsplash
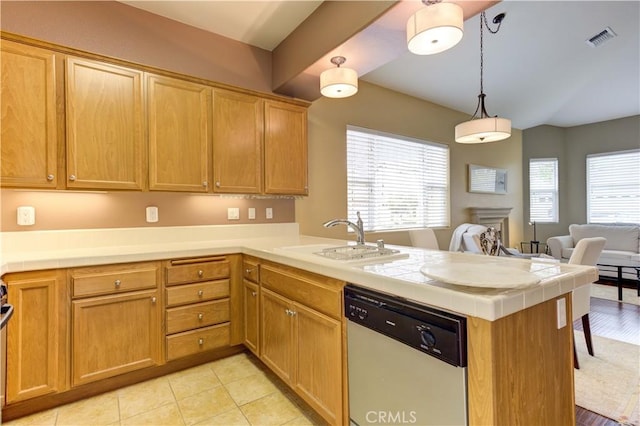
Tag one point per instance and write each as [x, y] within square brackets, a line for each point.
[56, 210]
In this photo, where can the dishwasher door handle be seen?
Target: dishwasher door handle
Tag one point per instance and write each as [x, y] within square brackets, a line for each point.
[7, 311]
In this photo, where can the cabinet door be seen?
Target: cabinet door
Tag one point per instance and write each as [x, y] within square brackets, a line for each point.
[251, 316]
[36, 335]
[285, 149]
[178, 134]
[319, 349]
[28, 103]
[277, 334]
[114, 335]
[237, 142]
[104, 126]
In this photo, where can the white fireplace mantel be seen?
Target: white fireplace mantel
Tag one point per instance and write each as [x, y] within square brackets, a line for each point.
[493, 216]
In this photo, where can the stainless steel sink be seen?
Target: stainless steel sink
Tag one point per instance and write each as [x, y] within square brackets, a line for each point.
[356, 252]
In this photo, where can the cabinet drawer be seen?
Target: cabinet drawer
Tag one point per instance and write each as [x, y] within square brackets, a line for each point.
[107, 280]
[198, 315]
[303, 288]
[200, 340]
[194, 272]
[199, 292]
[251, 270]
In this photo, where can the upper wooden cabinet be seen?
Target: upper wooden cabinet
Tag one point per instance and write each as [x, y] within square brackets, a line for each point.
[28, 104]
[178, 113]
[237, 142]
[105, 138]
[285, 149]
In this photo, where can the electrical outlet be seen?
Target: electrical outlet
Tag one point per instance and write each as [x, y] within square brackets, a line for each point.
[269, 213]
[26, 215]
[251, 214]
[233, 213]
[562, 313]
[152, 214]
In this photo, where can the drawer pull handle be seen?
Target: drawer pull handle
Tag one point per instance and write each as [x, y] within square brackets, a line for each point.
[253, 293]
[154, 299]
[200, 293]
[290, 312]
[117, 283]
[200, 273]
[248, 271]
[200, 316]
[201, 341]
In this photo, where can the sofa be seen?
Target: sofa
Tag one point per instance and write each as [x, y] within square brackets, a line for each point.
[622, 247]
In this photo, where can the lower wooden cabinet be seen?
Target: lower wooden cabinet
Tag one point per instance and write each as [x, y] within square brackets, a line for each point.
[114, 335]
[36, 335]
[251, 293]
[301, 344]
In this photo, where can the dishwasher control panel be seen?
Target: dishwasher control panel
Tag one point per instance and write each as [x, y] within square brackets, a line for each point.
[435, 332]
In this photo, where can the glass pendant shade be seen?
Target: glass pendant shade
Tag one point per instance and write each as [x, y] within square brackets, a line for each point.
[482, 130]
[339, 82]
[435, 28]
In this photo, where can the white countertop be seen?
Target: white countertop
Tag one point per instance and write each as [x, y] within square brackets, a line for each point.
[37, 250]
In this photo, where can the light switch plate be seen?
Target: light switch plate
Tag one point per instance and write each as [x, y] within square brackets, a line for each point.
[562, 313]
[152, 214]
[269, 213]
[233, 213]
[251, 214]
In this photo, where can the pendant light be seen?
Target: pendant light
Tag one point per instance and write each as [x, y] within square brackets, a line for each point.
[483, 128]
[338, 82]
[435, 28]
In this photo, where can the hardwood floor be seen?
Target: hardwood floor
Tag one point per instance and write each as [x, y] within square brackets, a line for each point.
[613, 320]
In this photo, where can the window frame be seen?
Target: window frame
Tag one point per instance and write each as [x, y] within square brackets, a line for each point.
[555, 191]
[363, 181]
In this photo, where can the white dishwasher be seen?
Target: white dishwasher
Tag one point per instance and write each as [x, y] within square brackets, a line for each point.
[406, 361]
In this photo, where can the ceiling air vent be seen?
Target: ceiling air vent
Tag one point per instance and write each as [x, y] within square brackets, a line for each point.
[602, 37]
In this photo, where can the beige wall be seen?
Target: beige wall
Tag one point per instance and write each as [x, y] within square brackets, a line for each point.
[384, 110]
[571, 146]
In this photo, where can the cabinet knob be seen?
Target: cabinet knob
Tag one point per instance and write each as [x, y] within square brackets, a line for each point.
[253, 293]
[200, 273]
[200, 316]
[117, 283]
[205, 184]
[293, 313]
[217, 184]
[200, 293]
[154, 299]
[201, 341]
[72, 178]
[50, 177]
[248, 271]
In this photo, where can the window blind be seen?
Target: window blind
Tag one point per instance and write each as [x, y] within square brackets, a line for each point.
[543, 190]
[613, 187]
[396, 182]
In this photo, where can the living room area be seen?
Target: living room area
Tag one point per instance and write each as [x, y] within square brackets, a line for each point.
[582, 182]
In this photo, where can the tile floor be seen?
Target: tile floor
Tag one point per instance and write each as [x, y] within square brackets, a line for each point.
[237, 390]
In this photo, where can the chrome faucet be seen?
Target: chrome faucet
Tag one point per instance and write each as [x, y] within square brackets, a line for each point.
[358, 228]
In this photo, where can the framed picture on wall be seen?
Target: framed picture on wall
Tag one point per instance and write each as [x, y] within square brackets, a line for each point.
[487, 180]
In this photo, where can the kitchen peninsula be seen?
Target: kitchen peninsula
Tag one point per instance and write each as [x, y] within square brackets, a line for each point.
[519, 348]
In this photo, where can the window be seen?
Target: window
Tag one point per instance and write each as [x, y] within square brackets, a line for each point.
[613, 187]
[543, 190]
[396, 182]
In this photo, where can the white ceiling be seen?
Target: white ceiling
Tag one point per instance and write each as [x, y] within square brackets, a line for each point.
[537, 68]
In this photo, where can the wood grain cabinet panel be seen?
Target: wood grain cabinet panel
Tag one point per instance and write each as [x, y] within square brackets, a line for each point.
[237, 142]
[277, 344]
[115, 334]
[105, 122]
[196, 341]
[28, 114]
[178, 117]
[36, 337]
[199, 292]
[197, 315]
[285, 149]
[252, 316]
